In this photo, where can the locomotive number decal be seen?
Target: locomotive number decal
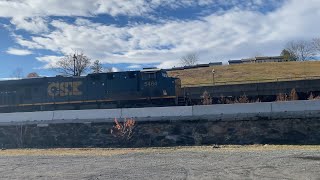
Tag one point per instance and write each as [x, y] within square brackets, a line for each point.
[64, 89]
[150, 83]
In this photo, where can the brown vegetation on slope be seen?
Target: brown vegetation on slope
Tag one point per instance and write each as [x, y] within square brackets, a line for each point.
[244, 73]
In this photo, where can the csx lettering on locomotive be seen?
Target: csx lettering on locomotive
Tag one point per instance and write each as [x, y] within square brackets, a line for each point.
[64, 89]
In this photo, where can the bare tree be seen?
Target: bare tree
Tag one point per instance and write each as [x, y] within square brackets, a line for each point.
[96, 67]
[189, 59]
[316, 44]
[33, 75]
[17, 73]
[302, 50]
[73, 64]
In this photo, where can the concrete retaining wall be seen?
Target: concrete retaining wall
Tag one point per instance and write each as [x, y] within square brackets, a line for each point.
[312, 105]
[26, 116]
[219, 112]
[231, 109]
[87, 114]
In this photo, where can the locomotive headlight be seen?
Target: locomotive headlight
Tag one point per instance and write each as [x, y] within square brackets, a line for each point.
[164, 92]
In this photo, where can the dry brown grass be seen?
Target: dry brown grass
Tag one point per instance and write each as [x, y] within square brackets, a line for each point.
[248, 72]
[119, 151]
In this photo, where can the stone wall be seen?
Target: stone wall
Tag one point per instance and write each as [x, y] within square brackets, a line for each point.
[163, 133]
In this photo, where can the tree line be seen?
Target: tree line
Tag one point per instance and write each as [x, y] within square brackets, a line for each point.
[78, 64]
[299, 50]
[75, 64]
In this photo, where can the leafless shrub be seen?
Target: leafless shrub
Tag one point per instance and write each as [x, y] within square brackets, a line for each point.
[124, 130]
[197, 137]
[206, 99]
[229, 101]
[312, 97]
[282, 97]
[242, 99]
[257, 100]
[225, 100]
[222, 100]
[293, 95]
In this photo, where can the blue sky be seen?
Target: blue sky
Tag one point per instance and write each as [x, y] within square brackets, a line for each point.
[133, 34]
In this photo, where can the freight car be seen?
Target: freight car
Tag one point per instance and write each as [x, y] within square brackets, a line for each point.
[149, 87]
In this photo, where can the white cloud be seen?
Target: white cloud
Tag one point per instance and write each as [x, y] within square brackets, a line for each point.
[134, 66]
[33, 24]
[168, 64]
[235, 33]
[38, 8]
[26, 43]
[114, 69]
[30, 8]
[19, 52]
[10, 78]
[50, 61]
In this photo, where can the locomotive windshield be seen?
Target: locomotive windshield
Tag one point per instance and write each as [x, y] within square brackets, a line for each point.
[164, 74]
[148, 76]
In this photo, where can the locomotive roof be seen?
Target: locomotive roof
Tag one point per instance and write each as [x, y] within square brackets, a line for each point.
[78, 77]
[150, 70]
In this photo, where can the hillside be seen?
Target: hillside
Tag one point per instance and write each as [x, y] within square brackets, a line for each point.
[245, 73]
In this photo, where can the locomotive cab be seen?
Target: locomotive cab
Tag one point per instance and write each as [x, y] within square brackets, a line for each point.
[155, 84]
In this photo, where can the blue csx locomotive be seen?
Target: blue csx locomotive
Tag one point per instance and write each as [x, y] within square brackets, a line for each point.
[148, 87]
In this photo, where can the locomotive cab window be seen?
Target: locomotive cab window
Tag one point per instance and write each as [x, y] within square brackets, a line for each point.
[148, 76]
[164, 74]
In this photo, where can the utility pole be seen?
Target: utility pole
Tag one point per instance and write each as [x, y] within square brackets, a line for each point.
[74, 64]
[213, 71]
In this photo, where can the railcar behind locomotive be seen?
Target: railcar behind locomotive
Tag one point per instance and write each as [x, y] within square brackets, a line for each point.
[149, 87]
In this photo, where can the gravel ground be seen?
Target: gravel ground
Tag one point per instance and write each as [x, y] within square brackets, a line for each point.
[203, 163]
